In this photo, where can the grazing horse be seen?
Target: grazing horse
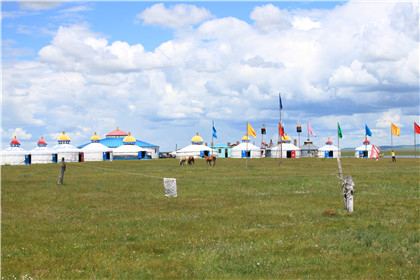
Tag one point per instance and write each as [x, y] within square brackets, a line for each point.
[190, 160]
[182, 161]
[211, 160]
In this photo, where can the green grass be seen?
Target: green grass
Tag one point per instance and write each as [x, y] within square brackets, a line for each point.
[229, 222]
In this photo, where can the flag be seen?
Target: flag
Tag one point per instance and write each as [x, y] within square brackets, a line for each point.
[310, 130]
[395, 129]
[416, 128]
[340, 135]
[374, 153]
[251, 131]
[368, 132]
[281, 130]
[281, 105]
[214, 132]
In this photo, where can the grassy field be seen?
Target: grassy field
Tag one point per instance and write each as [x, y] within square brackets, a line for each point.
[267, 221]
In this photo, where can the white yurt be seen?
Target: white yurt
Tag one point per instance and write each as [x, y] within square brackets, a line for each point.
[245, 149]
[364, 150]
[95, 151]
[289, 150]
[329, 150]
[67, 151]
[42, 154]
[14, 155]
[197, 149]
[129, 150]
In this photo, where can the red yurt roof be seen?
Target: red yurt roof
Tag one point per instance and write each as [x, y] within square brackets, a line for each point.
[15, 141]
[328, 141]
[117, 133]
[367, 141]
[42, 141]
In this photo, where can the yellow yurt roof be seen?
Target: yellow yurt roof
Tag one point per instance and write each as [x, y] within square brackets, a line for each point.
[129, 138]
[95, 137]
[63, 137]
[197, 138]
[245, 138]
[286, 138]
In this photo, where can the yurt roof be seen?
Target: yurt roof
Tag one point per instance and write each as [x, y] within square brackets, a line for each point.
[286, 147]
[42, 141]
[15, 141]
[197, 139]
[328, 148]
[65, 148]
[364, 148]
[96, 147]
[117, 132]
[129, 139]
[116, 142]
[95, 137]
[246, 147]
[194, 148]
[14, 150]
[63, 137]
[41, 150]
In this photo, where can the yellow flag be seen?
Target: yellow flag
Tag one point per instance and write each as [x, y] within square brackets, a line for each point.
[251, 131]
[395, 129]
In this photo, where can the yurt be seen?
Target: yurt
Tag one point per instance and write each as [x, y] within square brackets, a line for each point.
[42, 154]
[245, 149]
[114, 139]
[14, 155]
[96, 151]
[196, 149]
[289, 150]
[67, 151]
[309, 149]
[129, 150]
[329, 150]
[364, 150]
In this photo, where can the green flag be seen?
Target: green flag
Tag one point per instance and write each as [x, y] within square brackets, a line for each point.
[340, 135]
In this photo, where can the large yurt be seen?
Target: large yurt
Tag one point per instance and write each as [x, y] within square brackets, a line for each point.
[114, 139]
[245, 149]
[364, 150]
[129, 150]
[196, 149]
[67, 151]
[43, 154]
[286, 150]
[14, 155]
[309, 149]
[329, 150]
[96, 151]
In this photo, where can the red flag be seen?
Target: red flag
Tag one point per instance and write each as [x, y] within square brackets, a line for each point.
[281, 131]
[375, 152]
[416, 128]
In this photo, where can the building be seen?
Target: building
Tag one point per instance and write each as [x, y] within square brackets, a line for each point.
[246, 149]
[95, 151]
[14, 155]
[364, 150]
[286, 149]
[309, 149]
[197, 149]
[115, 138]
[42, 154]
[129, 150]
[329, 150]
[67, 151]
[223, 150]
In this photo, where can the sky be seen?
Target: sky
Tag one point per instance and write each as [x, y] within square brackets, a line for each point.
[167, 70]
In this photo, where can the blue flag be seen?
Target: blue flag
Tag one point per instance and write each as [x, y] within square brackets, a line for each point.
[281, 105]
[368, 132]
[214, 132]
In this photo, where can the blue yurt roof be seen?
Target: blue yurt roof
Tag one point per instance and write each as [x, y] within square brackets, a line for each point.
[116, 142]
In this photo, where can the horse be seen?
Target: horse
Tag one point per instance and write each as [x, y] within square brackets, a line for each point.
[211, 160]
[182, 161]
[190, 160]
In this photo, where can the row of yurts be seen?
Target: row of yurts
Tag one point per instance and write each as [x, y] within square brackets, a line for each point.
[119, 145]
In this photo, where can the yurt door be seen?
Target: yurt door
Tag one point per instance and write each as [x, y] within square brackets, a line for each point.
[331, 154]
[327, 154]
[28, 159]
[54, 158]
[81, 157]
[243, 154]
[293, 154]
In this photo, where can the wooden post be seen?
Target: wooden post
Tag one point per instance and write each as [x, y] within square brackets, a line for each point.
[349, 190]
[62, 169]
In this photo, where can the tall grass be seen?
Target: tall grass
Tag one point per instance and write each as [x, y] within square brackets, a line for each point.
[266, 221]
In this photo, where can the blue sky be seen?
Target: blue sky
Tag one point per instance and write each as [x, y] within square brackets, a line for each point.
[166, 70]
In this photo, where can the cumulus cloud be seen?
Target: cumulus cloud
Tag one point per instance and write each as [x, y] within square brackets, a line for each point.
[270, 17]
[175, 16]
[20, 134]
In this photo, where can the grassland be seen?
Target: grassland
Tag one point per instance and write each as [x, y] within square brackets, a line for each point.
[267, 221]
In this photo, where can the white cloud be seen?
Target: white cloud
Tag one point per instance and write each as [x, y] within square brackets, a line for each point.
[353, 76]
[269, 17]
[39, 5]
[175, 16]
[20, 134]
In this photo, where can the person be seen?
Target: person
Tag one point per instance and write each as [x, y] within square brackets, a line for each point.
[393, 156]
[62, 169]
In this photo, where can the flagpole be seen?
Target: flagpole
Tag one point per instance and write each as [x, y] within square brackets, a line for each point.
[415, 146]
[246, 151]
[338, 138]
[281, 142]
[212, 135]
[392, 147]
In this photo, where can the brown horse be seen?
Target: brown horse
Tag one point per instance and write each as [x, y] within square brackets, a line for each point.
[190, 160]
[182, 161]
[211, 160]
